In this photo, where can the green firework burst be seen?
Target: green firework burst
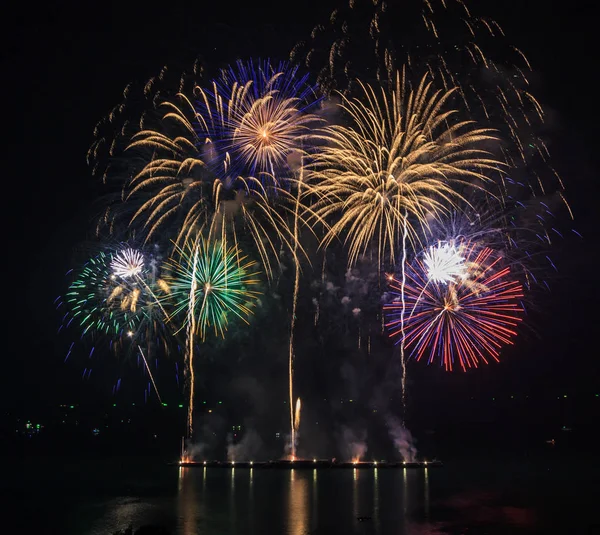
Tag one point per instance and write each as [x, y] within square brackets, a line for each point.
[105, 303]
[99, 302]
[211, 282]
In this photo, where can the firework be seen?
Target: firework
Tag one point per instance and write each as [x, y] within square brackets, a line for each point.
[296, 246]
[114, 299]
[514, 229]
[224, 158]
[254, 117]
[99, 302]
[297, 414]
[465, 321]
[444, 263]
[127, 263]
[349, 44]
[150, 373]
[459, 47]
[400, 163]
[210, 283]
[113, 295]
[214, 282]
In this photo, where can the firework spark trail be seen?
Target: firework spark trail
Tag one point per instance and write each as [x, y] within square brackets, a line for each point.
[290, 365]
[402, 356]
[297, 415]
[154, 296]
[293, 320]
[150, 373]
[191, 329]
[209, 282]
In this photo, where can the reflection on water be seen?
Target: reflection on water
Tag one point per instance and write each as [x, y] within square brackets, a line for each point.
[315, 494]
[298, 506]
[405, 491]
[355, 491]
[299, 502]
[188, 504]
[101, 497]
[254, 501]
[232, 498]
[251, 496]
[426, 497]
[376, 499]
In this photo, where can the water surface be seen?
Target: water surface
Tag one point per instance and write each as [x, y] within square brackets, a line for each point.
[478, 497]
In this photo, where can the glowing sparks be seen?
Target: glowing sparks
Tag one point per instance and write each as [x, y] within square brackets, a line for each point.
[246, 159]
[463, 322]
[459, 49]
[211, 283]
[297, 415]
[100, 302]
[256, 115]
[119, 312]
[150, 373]
[401, 160]
[444, 263]
[225, 157]
[127, 263]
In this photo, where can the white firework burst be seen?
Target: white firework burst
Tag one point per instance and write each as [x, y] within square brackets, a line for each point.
[445, 263]
[127, 263]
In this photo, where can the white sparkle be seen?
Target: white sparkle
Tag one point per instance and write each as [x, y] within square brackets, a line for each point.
[445, 263]
[127, 263]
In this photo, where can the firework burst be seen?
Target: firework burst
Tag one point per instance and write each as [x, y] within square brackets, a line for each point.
[514, 229]
[401, 162]
[210, 283]
[114, 295]
[223, 158]
[114, 300]
[444, 263]
[99, 302]
[127, 263]
[463, 321]
[459, 47]
[254, 119]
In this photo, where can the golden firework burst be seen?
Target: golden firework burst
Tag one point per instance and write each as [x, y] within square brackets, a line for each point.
[402, 160]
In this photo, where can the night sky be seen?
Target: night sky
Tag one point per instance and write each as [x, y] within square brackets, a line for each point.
[64, 67]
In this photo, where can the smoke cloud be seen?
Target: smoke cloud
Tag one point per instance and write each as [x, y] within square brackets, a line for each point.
[353, 444]
[247, 449]
[402, 438]
[195, 451]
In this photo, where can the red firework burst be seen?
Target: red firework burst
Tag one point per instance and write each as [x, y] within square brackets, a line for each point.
[467, 320]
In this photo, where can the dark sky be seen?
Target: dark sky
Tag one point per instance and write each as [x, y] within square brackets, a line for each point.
[65, 65]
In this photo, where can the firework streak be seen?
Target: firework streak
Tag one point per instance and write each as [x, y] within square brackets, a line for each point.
[466, 321]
